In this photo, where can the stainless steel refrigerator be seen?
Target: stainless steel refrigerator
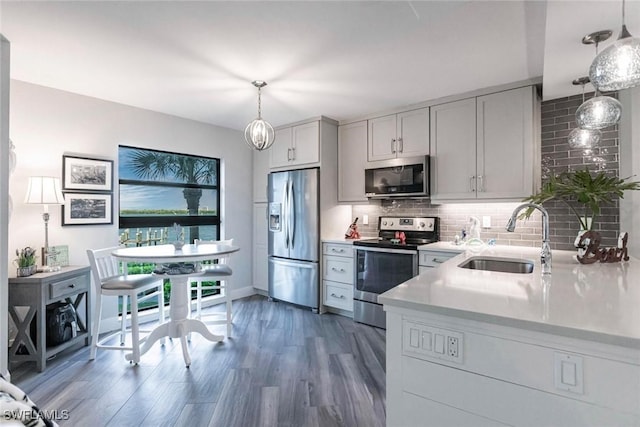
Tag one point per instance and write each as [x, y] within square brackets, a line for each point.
[294, 230]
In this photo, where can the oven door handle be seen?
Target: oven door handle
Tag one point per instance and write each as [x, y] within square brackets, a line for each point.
[386, 250]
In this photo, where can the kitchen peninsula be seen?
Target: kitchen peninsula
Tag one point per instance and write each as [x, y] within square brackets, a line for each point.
[475, 347]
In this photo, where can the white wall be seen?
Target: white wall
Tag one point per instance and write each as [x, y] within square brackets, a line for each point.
[4, 202]
[630, 166]
[45, 123]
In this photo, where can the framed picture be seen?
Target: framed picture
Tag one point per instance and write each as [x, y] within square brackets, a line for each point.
[85, 174]
[87, 209]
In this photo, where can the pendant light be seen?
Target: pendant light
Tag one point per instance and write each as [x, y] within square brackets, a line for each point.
[259, 133]
[583, 138]
[600, 111]
[618, 66]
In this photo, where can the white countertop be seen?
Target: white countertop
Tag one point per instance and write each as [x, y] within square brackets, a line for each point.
[443, 247]
[345, 241]
[598, 302]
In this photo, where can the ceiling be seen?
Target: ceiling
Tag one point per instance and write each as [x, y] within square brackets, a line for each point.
[340, 59]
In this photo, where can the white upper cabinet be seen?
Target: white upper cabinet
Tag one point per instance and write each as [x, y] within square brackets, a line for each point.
[352, 160]
[505, 144]
[296, 145]
[485, 147]
[260, 175]
[399, 135]
[453, 150]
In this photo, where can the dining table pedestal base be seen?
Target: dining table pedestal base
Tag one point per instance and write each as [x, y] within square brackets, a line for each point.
[179, 326]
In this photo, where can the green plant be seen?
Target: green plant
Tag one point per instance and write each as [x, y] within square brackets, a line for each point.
[26, 257]
[583, 193]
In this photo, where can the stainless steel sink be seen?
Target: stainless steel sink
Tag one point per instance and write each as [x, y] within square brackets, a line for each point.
[502, 265]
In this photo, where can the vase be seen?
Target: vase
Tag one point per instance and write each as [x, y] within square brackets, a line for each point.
[26, 271]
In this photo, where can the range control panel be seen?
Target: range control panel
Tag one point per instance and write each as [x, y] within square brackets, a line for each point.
[407, 224]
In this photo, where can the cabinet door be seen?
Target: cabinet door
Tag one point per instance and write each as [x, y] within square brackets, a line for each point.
[260, 173]
[260, 257]
[352, 160]
[413, 133]
[306, 144]
[281, 148]
[382, 138]
[453, 150]
[506, 144]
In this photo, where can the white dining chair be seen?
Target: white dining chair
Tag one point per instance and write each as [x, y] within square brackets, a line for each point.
[110, 278]
[218, 274]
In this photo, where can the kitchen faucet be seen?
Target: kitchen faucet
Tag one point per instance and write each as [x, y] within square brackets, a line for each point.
[545, 255]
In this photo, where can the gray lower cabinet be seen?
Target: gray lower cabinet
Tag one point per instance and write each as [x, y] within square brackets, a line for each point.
[29, 298]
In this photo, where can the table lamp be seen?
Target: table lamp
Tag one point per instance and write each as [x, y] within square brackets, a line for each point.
[45, 191]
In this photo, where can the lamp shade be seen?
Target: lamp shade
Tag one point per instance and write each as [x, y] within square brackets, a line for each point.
[598, 113]
[618, 66]
[44, 190]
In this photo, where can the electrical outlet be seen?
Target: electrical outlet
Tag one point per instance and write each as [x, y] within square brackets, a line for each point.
[365, 219]
[452, 346]
[486, 221]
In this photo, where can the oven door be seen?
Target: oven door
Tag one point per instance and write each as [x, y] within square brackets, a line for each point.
[380, 269]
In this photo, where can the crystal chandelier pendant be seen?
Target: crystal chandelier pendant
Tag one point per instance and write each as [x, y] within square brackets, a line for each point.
[618, 66]
[584, 138]
[259, 134]
[598, 112]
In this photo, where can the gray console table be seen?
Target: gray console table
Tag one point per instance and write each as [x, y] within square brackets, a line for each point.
[28, 301]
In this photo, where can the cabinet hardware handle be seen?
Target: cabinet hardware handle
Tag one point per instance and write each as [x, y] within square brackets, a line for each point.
[393, 146]
[439, 261]
[288, 154]
[293, 153]
[336, 296]
[472, 186]
[337, 250]
[341, 270]
[401, 145]
[481, 184]
[72, 285]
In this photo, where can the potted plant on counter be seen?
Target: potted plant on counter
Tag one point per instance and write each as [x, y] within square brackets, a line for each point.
[26, 261]
[583, 192]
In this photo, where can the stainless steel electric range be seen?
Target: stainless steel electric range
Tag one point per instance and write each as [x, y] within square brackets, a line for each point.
[385, 262]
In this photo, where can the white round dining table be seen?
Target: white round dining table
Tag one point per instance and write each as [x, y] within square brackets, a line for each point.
[179, 325]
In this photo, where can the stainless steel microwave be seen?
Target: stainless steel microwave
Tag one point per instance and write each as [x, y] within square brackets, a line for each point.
[405, 177]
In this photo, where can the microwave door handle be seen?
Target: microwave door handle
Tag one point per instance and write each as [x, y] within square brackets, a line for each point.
[292, 213]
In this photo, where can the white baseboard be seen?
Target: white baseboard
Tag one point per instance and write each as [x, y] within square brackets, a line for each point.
[244, 292]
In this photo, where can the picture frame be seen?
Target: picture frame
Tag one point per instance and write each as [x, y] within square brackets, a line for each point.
[87, 209]
[86, 174]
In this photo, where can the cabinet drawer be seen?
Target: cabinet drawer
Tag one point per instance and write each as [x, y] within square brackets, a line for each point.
[337, 249]
[338, 295]
[338, 269]
[69, 286]
[434, 258]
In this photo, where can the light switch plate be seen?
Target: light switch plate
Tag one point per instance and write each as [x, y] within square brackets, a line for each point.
[568, 372]
[365, 219]
[486, 221]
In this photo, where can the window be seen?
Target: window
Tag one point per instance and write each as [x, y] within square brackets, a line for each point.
[158, 189]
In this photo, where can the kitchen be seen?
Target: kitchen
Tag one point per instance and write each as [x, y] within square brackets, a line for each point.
[70, 109]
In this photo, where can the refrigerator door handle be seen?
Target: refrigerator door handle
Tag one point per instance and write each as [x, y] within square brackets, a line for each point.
[285, 214]
[296, 264]
[292, 214]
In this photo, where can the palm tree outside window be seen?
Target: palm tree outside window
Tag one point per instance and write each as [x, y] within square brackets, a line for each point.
[160, 188]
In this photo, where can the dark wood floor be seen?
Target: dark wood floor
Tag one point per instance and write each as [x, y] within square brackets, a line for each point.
[284, 366]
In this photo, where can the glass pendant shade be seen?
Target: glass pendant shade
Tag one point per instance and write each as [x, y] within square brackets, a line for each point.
[618, 66]
[259, 134]
[584, 138]
[598, 113]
